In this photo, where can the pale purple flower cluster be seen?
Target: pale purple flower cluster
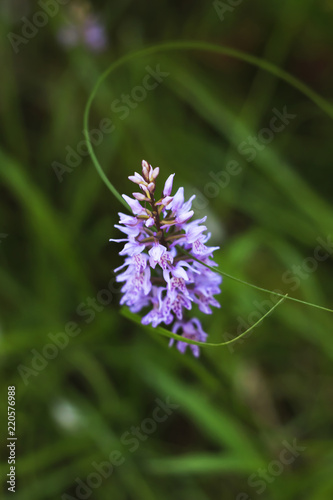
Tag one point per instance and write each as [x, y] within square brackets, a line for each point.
[84, 28]
[156, 274]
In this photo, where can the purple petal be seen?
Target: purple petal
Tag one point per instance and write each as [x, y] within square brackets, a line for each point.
[134, 204]
[178, 200]
[168, 185]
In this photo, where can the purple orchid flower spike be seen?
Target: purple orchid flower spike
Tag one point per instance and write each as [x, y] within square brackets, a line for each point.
[157, 276]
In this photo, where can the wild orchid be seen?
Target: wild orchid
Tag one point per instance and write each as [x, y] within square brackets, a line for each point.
[157, 275]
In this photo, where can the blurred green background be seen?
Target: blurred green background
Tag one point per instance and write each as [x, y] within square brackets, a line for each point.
[86, 378]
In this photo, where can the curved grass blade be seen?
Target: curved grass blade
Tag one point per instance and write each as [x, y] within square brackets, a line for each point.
[162, 331]
[206, 47]
[220, 49]
[255, 286]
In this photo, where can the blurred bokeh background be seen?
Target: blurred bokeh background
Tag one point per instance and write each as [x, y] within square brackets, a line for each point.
[250, 421]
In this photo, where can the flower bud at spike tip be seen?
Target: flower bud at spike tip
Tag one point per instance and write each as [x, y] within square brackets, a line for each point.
[154, 274]
[145, 170]
[168, 185]
[156, 171]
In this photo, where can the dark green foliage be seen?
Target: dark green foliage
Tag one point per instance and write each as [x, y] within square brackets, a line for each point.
[253, 405]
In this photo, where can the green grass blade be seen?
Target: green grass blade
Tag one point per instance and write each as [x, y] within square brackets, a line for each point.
[255, 286]
[162, 331]
[197, 46]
